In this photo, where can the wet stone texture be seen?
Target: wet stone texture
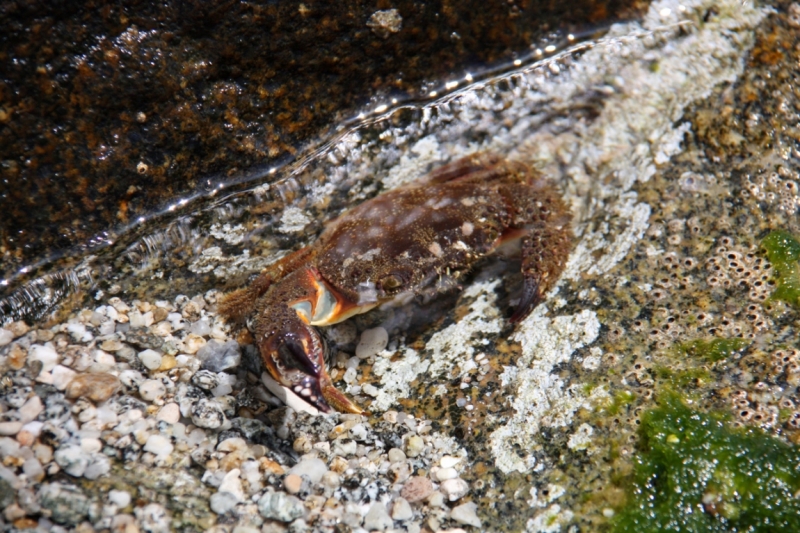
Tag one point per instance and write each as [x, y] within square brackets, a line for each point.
[111, 112]
[661, 347]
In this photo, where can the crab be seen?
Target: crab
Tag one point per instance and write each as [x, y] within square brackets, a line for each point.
[418, 239]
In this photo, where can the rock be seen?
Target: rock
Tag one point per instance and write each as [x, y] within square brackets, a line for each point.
[120, 498]
[152, 389]
[7, 493]
[100, 466]
[466, 514]
[144, 340]
[217, 356]
[62, 377]
[67, 504]
[396, 455]
[207, 414]
[231, 483]
[401, 510]
[5, 336]
[170, 413]
[414, 446]
[448, 461]
[416, 489]
[192, 343]
[44, 353]
[158, 445]
[292, 483]
[200, 328]
[111, 345]
[96, 387]
[444, 474]
[10, 428]
[18, 328]
[206, 380]
[72, 460]
[151, 359]
[373, 341]
[377, 518]
[17, 357]
[223, 501]
[454, 489]
[153, 518]
[281, 506]
[312, 468]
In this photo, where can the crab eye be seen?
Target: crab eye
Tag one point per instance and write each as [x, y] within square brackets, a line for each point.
[390, 282]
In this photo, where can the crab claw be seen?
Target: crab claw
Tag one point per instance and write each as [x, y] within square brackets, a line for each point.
[294, 354]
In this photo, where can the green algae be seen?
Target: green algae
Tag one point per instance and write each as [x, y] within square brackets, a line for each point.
[783, 251]
[696, 474]
[713, 350]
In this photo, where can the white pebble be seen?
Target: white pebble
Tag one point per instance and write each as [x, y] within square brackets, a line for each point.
[5, 336]
[120, 498]
[401, 510]
[370, 390]
[44, 353]
[313, 468]
[90, 445]
[373, 341]
[152, 389]
[10, 428]
[151, 359]
[170, 413]
[31, 409]
[454, 489]
[62, 376]
[158, 445]
[448, 461]
[465, 514]
[231, 483]
[443, 474]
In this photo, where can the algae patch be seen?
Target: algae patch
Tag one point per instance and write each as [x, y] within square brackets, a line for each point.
[697, 474]
[714, 350]
[783, 251]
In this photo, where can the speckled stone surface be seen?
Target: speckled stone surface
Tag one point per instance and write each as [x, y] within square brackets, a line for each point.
[110, 112]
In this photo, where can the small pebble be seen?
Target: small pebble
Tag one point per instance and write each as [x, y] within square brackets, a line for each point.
[151, 359]
[170, 413]
[292, 483]
[151, 390]
[72, 460]
[466, 514]
[217, 357]
[401, 510]
[5, 336]
[222, 502]
[44, 353]
[192, 343]
[10, 428]
[207, 414]
[158, 445]
[396, 455]
[30, 410]
[62, 376]
[281, 506]
[96, 387]
[414, 446]
[448, 461]
[454, 489]
[120, 498]
[416, 489]
[312, 468]
[444, 474]
[372, 342]
[377, 518]
[18, 328]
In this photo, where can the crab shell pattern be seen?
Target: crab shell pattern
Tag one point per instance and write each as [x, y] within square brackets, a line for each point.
[415, 240]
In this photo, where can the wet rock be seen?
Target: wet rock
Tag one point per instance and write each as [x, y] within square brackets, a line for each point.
[66, 504]
[401, 510]
[280, 506]
[151, 359]
[153, 518]
[206, 380]
[208, 414]
[454, 489]
[217, 356]
[416, 489]
[373, 341]
[144, 340]
[312, 468]
[377, 518]
[72, 459]
[96, 387]
[466, 514]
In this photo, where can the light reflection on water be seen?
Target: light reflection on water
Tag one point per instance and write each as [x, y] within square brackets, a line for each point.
[235, 227]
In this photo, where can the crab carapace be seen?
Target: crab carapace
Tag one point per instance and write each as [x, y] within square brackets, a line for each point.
[417, 239]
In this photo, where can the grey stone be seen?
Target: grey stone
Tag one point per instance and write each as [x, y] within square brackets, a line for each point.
[216, 356]
[377, 518]
[280, 506]
[207, 414]
[66, 503]
[222, 502]
[312, 468]
[206, 380]
[72, 460]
